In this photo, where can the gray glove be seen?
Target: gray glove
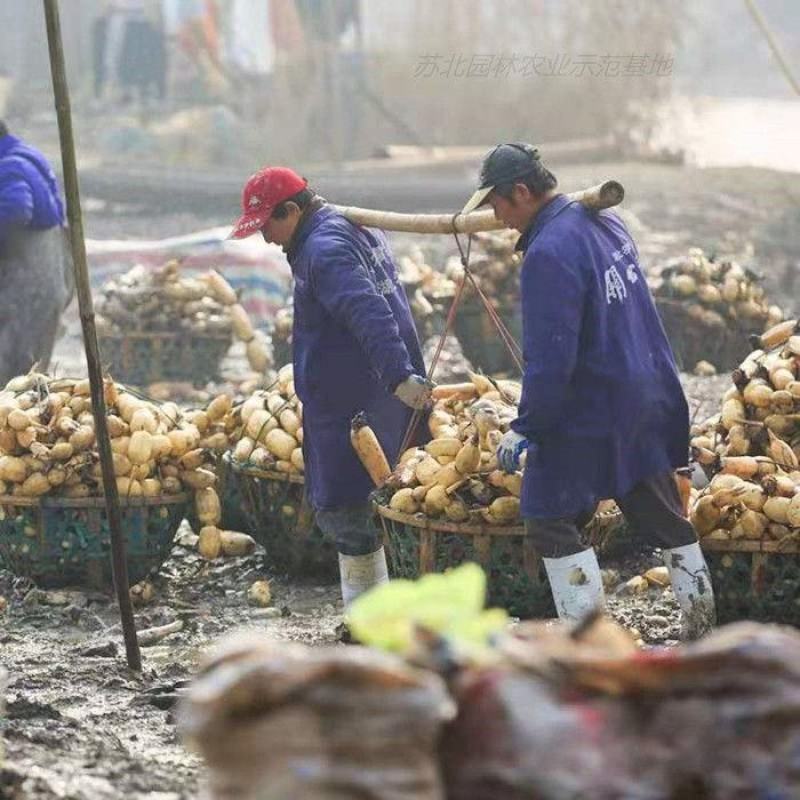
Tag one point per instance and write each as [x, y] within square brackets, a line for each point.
[414, 391]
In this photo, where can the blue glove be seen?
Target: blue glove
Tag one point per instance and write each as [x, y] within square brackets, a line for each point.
[510, 450]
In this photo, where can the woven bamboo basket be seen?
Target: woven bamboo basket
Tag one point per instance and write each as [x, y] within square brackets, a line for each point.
[517, 581]
[479, 339]
[416, 544]
[755, 580]
[691, 341]
[62, 541]
[139, 358]
[281, 520]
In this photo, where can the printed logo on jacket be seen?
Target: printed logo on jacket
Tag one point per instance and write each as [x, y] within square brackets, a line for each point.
[616, 290]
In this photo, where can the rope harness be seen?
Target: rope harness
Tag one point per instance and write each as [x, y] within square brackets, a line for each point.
[507, 337]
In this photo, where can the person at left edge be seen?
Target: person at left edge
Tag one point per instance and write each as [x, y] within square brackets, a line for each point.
[355, 349]
[36, 278]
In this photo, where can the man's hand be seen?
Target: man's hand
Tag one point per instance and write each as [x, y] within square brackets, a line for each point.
[414, 391]
[510, 450]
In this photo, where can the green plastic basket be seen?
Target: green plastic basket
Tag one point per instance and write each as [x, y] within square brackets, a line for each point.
[66, 542]
[140, 359]
[281, 520]
[755, 580]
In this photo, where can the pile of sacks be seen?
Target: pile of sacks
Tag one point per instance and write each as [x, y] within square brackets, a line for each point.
[543, 712]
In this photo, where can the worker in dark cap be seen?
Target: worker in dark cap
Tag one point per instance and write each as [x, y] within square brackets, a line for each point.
[602, 413]
[36, 281]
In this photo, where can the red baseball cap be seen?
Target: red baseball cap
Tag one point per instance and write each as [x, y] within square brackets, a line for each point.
[263, 191]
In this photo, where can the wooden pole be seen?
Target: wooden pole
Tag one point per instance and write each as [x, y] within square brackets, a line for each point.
[86, 306]
[605, 195]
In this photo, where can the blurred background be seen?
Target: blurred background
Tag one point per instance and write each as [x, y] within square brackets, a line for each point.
[392, 105]
[244, 81]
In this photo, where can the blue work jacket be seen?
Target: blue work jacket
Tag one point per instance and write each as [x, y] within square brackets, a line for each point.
[29, 194]
[602, 405]
[354, 341]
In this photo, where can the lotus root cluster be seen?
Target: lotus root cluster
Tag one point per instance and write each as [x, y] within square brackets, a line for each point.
[164, 301]
[752, 447]
[455, 476]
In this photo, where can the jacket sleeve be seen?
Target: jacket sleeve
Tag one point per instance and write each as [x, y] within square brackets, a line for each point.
[16, 201]
[343, 286]
[553, 298]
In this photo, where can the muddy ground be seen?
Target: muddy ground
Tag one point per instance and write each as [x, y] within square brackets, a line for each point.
[80, 725]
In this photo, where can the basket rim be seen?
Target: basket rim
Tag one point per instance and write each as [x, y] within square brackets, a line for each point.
[93, 502]
[426, 523]
[749, 546]
[266, 474]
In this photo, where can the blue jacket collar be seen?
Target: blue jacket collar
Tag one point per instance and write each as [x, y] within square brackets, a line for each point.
[8, 143]
[545, 214]
[318, 211]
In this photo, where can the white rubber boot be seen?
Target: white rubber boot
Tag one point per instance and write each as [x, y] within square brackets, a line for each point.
[360, 573]
[691, 583]
[576, 584]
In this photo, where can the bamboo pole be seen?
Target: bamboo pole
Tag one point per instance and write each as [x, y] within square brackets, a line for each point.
[604, 195]
[783, 62]
[86, 306]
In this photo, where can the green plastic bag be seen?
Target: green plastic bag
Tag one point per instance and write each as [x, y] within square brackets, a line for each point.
[450, 605]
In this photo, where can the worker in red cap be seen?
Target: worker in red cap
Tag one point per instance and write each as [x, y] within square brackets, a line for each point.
[355, 349]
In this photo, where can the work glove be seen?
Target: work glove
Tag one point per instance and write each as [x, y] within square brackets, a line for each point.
[414, 391]
[510, 450]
